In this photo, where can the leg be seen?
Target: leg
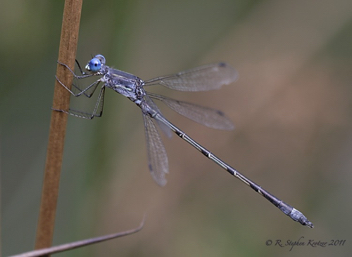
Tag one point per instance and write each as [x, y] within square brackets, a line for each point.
[84, 91]
[83, 76]
[97, 112]
[92, 86]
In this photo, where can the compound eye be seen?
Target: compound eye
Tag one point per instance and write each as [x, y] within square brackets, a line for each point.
[94, 65]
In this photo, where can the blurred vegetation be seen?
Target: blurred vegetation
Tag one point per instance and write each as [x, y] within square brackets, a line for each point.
[291, 107]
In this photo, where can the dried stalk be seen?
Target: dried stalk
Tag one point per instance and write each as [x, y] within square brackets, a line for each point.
[82, 243]
[67, 53]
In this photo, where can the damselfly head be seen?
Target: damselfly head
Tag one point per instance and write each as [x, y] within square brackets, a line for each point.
[95, 64]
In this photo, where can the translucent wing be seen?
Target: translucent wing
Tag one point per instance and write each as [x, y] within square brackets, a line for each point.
[203, 78]
[157, 157]
[162, 126]
[207, 116]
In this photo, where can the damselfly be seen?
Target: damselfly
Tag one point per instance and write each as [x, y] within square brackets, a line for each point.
[207, 77]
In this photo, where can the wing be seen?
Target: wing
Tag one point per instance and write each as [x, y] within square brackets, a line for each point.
[157, 157]
[162, 126]
[203, 78]
[206, 116]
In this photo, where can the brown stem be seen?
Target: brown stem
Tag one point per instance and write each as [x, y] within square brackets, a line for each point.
[77, 244]
[67, 53]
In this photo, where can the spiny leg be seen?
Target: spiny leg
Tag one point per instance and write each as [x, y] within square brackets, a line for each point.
[84, 91]
[92, 86]
[97, 111]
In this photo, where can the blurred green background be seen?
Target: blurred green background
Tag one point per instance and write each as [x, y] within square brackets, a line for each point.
[291, 107]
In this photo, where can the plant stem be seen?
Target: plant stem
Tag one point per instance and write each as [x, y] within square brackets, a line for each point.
[67, 54]
[77, 244]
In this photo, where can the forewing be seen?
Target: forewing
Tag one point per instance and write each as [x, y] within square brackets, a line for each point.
[203, 78]
[157, 157]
